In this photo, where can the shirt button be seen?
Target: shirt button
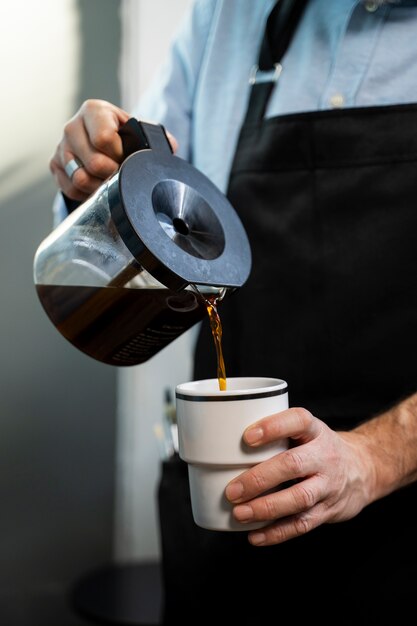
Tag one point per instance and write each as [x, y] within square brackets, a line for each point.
[370, 6]
[337, 101]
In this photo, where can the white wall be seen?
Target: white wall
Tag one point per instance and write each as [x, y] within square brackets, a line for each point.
[38, 41]
[147, 29]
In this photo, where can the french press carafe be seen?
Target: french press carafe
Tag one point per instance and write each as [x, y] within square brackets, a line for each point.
[122, 276]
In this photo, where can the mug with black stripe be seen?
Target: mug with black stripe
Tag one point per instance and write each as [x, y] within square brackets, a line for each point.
[211, 423]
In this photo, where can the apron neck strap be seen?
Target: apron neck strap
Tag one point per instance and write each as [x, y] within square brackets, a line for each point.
[280, 27]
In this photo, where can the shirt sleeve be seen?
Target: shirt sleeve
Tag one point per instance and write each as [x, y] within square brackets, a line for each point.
[169, 98]
[59, 209]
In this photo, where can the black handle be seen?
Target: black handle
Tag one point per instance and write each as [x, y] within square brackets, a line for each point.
[143, 135]
[135, 136]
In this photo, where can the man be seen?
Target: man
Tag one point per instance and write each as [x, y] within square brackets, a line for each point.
[318, 157]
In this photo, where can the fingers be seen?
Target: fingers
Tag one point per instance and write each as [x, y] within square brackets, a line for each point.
[290, 488]
[102, 122]
[321, 478]
[290, 465]
[80, 185]
[296, 423]
[91, 136]
[288, 528]
[293, 510]
[172, 141]
[291, 500]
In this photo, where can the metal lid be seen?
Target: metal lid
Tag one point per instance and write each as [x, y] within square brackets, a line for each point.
[177, 224]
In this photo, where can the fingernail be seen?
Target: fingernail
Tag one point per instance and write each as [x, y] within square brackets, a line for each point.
[234, 491]
[243, 513]
[254, 434]
[257, 539]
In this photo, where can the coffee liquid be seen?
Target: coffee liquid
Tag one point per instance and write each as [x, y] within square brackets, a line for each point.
[103, 322]
[211, 302]
[216, 331]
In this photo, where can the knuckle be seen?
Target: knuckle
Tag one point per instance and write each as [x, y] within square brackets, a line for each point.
[269, 509]
[304, 416]
[103, 139]
[96, 165]
[258, 480]
[302, 524]
[89, 105]
[53, 168]
[304, 497]
[277, 534]
[294, 462]
[81, 181]
[68, 129]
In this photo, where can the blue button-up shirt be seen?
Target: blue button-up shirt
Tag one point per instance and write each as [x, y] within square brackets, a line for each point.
[345, 53]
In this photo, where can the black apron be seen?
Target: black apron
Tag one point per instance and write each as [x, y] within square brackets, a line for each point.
[329, 201]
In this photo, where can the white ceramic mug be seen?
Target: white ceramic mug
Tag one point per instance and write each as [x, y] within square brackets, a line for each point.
[210, 428]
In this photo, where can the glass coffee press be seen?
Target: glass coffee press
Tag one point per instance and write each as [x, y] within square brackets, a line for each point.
[130, 269]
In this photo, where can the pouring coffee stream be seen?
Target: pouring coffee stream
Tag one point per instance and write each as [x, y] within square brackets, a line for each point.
[153, 251]
[216, 331]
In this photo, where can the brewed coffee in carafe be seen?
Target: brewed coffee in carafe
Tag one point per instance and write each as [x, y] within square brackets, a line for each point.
[136, 265]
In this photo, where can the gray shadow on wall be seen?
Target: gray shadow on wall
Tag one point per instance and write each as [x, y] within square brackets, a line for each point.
[100, 53]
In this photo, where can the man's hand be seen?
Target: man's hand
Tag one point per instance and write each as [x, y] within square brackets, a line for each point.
[91, 138]
[325, 476]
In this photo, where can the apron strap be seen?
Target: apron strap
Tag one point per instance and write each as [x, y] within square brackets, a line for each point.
[280, 27]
